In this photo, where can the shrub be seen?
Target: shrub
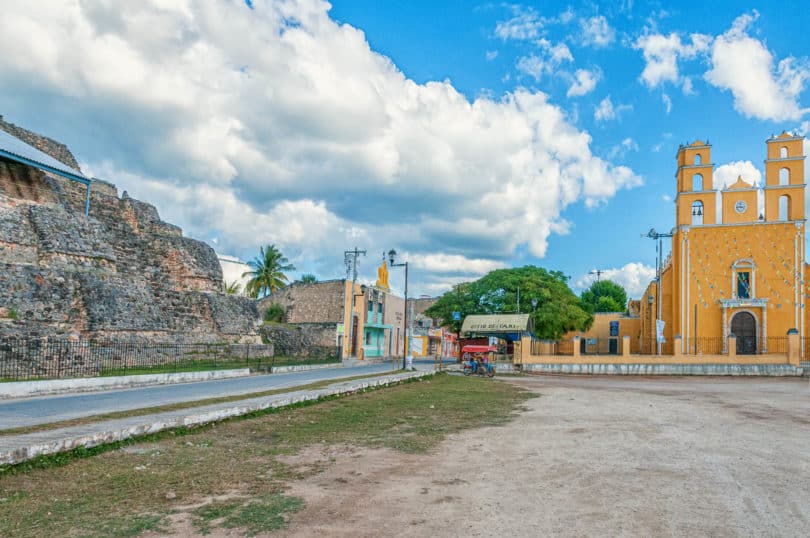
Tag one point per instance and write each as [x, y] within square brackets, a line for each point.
[274, 313]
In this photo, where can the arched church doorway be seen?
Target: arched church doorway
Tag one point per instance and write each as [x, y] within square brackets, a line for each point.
[744, 327]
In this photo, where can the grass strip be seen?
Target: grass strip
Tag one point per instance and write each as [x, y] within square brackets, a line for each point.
[236, 462]
[175, 407]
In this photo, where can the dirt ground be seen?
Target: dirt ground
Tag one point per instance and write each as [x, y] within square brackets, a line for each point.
[591, 456]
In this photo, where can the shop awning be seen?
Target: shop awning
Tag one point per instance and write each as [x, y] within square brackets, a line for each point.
[497, 324]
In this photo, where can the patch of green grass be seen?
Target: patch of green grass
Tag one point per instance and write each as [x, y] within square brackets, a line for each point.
[265, 514]
[124, 492]
[130, 526]
[203, 517]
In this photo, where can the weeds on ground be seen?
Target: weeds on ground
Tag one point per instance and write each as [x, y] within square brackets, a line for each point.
[133, 489]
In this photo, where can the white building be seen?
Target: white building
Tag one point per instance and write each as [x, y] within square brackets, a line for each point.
[232, 270]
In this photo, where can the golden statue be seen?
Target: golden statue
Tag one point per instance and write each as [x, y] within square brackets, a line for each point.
[382, 275]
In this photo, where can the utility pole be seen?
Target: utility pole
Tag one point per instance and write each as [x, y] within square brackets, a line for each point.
[598, 273]
[392, 254]
[350, 259]
[659, 269]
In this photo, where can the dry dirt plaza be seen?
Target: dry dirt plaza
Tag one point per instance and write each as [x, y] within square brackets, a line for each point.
[590, 456]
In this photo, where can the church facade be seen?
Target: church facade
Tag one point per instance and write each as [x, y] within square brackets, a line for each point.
[737, 262]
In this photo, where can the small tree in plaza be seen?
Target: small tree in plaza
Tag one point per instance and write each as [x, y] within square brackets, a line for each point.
[543, 294]
[605, 296]
[267, 274]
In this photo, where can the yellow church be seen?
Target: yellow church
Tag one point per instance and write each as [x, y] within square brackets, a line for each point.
[737, 263]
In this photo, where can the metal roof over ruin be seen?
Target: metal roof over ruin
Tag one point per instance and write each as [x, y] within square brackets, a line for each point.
[16, 150]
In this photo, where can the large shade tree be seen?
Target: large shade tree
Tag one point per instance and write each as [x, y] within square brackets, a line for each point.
[605, 296]
[543, 294]
[267, 272]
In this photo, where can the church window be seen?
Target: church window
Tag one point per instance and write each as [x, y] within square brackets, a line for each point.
[697, 182]
[784, 176]
[783, 152]
[784, 207]
[697, 213]
[743, 285]
[697, 158]
[743, 274]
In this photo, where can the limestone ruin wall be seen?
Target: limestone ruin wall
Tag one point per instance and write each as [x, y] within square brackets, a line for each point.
[121, 274]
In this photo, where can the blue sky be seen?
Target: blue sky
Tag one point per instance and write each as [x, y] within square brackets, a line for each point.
[467, 135]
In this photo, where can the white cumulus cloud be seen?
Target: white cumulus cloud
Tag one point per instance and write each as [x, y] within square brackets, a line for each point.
[279, 125]
[548, 58]
[727, 174]
[584, 83]
[634, 277]
[744, 66]
[605, 110]
[662, 52]
[597, 32]
[525, 23]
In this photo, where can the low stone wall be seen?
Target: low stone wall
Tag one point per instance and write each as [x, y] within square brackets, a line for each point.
[315, 340]
[665, 369]
[772, 358]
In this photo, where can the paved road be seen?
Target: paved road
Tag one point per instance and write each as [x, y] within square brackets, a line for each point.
[47, 409]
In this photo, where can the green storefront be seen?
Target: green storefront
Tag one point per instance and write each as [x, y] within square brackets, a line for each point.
[374, 331]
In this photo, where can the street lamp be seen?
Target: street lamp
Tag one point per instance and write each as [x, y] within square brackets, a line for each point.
[392, 254]
[652, 234]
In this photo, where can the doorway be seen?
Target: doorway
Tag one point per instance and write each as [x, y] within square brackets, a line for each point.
[744, 327]
[613, 346]
[354, 337]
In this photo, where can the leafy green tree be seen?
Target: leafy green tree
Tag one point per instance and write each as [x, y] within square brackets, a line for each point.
[267, 273]
[605, 296]
[309, 278]
[231, 288]
[558, 310]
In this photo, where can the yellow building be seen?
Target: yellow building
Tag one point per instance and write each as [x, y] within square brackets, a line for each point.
[607, 333]
[737, 264]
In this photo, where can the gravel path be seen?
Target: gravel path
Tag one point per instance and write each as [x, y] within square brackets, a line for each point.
[591, 456]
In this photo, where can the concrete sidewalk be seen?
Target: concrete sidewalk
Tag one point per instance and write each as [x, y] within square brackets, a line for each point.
[19, 448]
[46, 387]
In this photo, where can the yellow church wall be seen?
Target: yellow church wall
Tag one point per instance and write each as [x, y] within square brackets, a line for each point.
[729, 200]
[793, 144]
[686, 200]
[699, 281]
[700, 277]
[712, 250]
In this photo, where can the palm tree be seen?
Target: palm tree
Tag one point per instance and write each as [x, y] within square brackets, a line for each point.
[231, 288]
[267, 273]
